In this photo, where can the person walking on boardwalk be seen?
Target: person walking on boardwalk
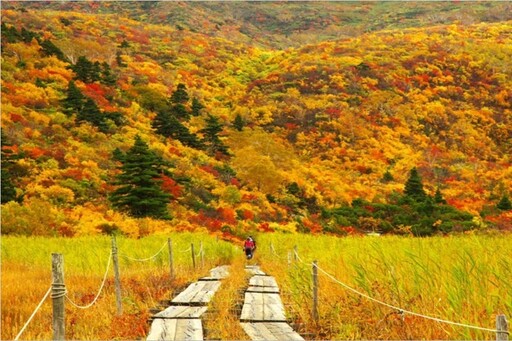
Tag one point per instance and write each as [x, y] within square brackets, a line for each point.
[249, 247]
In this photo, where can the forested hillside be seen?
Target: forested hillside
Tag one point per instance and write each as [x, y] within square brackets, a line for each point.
[401, 128]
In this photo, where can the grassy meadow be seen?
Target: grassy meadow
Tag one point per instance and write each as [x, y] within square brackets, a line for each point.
[26, 277]
[464, 279]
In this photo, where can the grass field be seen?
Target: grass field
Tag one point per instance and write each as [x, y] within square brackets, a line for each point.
[463, 279]
[26, 277]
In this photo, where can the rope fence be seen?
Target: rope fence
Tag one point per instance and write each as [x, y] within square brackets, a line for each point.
[58, 291]
[501, 330]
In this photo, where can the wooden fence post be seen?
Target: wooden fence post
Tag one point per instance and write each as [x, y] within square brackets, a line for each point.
[117, 278]
[315, 292]
[193, 256]
[295, 253]
[171, 262]
[58, 293]
[502, 328]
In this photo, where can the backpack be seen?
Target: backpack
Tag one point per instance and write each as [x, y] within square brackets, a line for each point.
[249, 244]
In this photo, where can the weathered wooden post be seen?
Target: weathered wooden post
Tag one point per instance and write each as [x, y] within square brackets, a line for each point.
[58, 293]
[315, 292]
[117, 278]
[171, 262]
[193, 256]
[295, 253]
[289, 258]
[501, 328]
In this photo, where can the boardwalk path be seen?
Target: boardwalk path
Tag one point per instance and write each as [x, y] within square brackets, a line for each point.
[182, 319]
[263, 316]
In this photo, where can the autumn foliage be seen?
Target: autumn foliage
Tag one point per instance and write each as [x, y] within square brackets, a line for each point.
[268, 137]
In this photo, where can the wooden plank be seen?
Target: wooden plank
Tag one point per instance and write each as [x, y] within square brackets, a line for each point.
[263, 281]
[220, 272]
[181, 312]
[262, 307]
[270, 331]
[274, 290]
[189, 329]
[197, 293]
[254, 270]
[162, 329]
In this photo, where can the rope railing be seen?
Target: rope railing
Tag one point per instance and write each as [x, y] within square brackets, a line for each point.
[33, 314]
[398, 309]
[99, 290]
[145, 259]
[58, 290]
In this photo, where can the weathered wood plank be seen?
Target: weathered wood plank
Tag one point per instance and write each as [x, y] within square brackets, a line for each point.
[254, 270]
[274, 290]
[220, 272]
[262, 307]
[181, 312]
[197, 293]
[189, 329]
[162, 329]
[270, 331]
[263, 281]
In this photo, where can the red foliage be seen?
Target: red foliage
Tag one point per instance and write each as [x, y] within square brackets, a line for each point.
[264, 227]
[76, 174]
[18, 118]
[36, 152]
[170, 186]
[228, 215]
[129, 326]
[210, 169]
[248, 215]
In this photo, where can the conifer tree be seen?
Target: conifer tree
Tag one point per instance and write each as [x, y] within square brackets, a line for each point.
[196, 107]
[180, 96]
[238, 122]
[74, 101]
[438, 197]
[107, 77]
[140, 193]
[86, 71]
[504, 203]
[414, 186]
[50, 49]
[167, 125]
[92, 114]
[8, 189]
[211, 136]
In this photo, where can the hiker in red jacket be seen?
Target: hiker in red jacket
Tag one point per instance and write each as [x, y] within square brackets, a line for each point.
[249, 247]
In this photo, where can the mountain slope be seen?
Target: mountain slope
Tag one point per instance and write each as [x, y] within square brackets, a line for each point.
[324, 122]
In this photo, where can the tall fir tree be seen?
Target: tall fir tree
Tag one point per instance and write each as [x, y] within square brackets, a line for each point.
[86, 71]
[169, 126]
[196, 107]
[414, 186]
[8, 189]
[92, 114]
[140, 185]
[180, 96]
[438, 197]
[504, 204]
[238, 122]
[74, 101]
[211, 136]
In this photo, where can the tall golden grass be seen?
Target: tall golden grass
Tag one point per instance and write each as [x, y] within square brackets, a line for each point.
[26, 277]
[462, 279]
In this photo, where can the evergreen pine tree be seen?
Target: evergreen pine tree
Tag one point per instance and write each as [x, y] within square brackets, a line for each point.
[86, 71]
[50, 49]
[107, 77]
[414, 186]
[211, 136]
[180, 112]
[169, 126]
[196, 107]
[180, 95]
[74, 101]
[8, 189]
[139, 192]
[239, 123]
[438, 197]
[504, 204]
[387, 177]
[92, 114]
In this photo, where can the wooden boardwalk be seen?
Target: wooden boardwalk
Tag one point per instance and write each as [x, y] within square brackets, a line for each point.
[263, 316]
[182, 319]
